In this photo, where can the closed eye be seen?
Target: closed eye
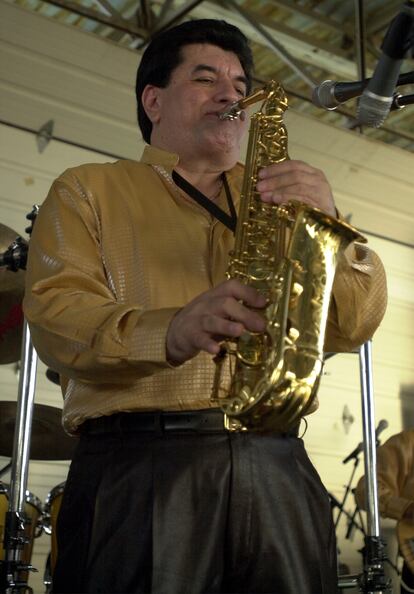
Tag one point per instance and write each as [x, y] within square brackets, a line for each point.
[205, 80]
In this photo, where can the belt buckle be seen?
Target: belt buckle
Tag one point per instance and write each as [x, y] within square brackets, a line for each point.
[233, 425]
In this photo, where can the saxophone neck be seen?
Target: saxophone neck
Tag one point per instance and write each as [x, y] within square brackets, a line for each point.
[236, 110]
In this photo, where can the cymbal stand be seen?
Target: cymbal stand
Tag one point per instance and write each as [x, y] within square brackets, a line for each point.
[16, 519]
[373, 579]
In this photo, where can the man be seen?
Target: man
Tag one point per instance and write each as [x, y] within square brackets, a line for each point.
[395, 476]
[126, 298]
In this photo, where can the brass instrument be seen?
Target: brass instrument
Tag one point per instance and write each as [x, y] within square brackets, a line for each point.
[288, 253]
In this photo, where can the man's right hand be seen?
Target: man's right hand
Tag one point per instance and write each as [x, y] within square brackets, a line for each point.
[222, 312]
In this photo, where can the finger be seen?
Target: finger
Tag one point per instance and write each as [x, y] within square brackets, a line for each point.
[327, 207]
[300, 192]
[241, 292]
[237, 312]
[242, 320]
[208, 345]
[288, 179]
[215, 325]
[276, 169]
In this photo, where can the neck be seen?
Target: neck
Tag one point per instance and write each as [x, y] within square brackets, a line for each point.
[207, 181]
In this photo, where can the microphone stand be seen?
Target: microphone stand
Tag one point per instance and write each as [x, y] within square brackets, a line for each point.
[345, 497]
[373, 579]
[351, 517]
[401, 101]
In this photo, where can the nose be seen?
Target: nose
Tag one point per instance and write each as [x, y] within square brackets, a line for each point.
[226, 92]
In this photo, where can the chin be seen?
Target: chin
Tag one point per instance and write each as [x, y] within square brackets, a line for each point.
[225, 144]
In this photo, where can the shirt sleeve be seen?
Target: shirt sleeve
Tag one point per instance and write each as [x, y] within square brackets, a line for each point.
[359, 299]
[77, 326]
[394, 466]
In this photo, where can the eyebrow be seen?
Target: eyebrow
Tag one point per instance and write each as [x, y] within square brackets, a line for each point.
[200, 67]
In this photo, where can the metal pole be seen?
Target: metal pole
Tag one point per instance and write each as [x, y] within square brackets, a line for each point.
[15, 519]
[374, 580]
[370, 452]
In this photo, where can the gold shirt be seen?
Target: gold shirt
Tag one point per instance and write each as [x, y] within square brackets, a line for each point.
[116, 250]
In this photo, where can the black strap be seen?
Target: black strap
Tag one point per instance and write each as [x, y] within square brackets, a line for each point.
[230, 221]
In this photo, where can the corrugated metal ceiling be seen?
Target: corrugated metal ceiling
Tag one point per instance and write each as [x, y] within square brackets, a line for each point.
[291, 40]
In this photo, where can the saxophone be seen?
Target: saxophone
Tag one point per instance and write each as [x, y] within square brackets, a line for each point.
[288, 253]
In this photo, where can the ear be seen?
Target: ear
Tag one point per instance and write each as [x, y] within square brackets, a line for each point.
[151, 102]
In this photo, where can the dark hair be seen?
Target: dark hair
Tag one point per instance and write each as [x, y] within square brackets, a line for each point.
[163, 55]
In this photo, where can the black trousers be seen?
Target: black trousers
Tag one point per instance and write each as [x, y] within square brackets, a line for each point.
[185, 513]
[407, 579]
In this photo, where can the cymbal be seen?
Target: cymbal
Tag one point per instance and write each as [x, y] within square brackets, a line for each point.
[48, 442]
[11, 296]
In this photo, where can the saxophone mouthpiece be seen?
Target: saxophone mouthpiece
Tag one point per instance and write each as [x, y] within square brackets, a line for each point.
[233, 112]
[236, 110]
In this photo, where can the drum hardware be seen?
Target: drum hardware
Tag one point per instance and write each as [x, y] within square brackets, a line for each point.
[47, 576]
[11, 291]
[33, 526]
[16, 520]
[13, 257]
[50, 514]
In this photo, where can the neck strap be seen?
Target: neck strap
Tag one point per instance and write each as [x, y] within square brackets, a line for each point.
[229, 221]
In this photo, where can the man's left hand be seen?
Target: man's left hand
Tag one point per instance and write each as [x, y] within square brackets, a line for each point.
[296, 180]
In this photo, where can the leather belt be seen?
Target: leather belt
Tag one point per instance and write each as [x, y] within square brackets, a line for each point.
[159, 422]
[200, 421]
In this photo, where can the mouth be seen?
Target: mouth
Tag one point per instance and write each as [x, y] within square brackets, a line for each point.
[219, 116]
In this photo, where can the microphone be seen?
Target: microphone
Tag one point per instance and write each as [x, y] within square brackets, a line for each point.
[383, 424]
[377, 97]
[330, 94]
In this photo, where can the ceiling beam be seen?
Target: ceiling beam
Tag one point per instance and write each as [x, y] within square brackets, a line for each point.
[383, 17]
[318, 17]
[276, 46]
[170, 19]
[302, 47]
[108, 9]
[112, 21]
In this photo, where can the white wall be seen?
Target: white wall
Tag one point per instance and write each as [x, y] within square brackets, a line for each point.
[85, 84]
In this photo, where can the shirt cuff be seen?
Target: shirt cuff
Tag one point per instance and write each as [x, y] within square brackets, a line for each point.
[149, 340]
[359, 257]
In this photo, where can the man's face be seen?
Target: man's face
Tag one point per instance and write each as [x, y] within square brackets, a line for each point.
[187, 115]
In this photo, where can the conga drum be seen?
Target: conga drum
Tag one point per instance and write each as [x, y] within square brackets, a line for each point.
[50, 515]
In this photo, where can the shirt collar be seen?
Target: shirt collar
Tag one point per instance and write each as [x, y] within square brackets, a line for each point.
[153, 155]
[156, 156]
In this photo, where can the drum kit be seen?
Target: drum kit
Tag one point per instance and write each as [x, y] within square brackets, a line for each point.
[27, 431]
